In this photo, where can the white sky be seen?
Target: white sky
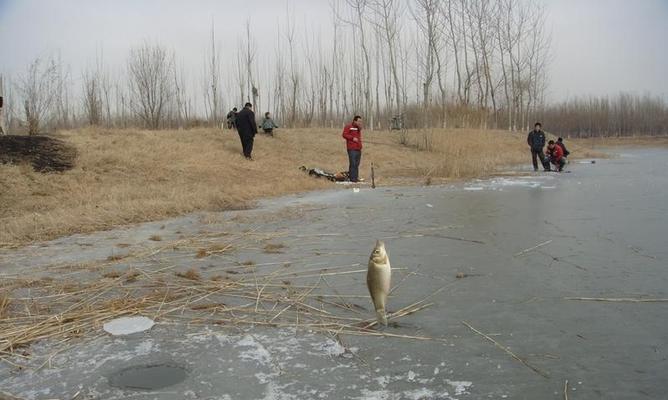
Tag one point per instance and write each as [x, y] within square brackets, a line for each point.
[599, 46]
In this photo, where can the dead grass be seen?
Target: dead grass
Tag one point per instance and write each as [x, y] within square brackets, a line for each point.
[129, 176]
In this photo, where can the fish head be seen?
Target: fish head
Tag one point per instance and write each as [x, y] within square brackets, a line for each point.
[379, 255]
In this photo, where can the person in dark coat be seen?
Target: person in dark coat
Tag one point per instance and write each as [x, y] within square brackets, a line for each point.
[536, 142]
[247, 128]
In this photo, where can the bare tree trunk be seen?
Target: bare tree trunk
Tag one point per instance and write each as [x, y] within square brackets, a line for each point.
[212, 86]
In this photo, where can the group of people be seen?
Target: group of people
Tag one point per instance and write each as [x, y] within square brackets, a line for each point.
[556, 153]
[244, 122]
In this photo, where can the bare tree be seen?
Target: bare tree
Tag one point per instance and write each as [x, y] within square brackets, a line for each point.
[37, 89]
[425, 15]
[358, 15]
[388, 21]
[150, 71]
[92, 97]
[295, 76]
[212, 89]
[183, 106]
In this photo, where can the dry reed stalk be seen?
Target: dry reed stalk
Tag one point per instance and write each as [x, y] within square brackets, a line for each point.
[505, 349]
[532, 248]
[618, 300]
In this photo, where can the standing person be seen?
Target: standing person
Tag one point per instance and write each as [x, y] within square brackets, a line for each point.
[231, 117]
[556, 155]
[247, 128]
[268, 124]
[2, 118]
[536, 142]
[353, 135]
[560, 143]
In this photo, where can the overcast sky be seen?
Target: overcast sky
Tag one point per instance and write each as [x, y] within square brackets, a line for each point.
[599, 46]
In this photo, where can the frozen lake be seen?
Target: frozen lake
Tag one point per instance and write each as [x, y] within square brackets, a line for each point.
[524, 244]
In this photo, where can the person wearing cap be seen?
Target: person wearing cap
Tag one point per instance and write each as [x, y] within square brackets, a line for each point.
[536, 142]
[247, 128]
[555, 155]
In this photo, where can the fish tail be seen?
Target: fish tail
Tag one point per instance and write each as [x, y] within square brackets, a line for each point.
[381, 317]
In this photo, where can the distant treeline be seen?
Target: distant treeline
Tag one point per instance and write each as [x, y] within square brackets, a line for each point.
[621, 115]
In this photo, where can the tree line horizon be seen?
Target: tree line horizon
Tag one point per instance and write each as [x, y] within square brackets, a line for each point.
[420, 63]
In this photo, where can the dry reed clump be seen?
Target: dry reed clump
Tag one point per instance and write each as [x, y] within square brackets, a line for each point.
[112, 274]
[218, 248]
[4, 304]
[129, 176]
[60, 310]
[190, 274]
[274, 248]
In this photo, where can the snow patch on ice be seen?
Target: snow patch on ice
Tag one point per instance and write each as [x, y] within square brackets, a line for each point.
[255, 352]
[383, 381]
[128, 325]
[375, 395]
[499, 184]
[420, 394]
[330, 347]
[145, 347]
[460, 387]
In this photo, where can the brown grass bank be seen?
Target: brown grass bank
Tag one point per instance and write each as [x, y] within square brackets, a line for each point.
[129, 176]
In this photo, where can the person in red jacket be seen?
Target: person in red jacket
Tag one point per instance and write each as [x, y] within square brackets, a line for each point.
[556, 155]
[353, 135]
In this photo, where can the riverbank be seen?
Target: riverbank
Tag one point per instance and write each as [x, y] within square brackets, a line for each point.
[130, 176]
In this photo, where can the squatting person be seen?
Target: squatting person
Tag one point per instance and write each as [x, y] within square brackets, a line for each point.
[268, 124]
[556, 155]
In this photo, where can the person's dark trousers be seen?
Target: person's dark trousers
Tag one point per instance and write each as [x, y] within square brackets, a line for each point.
[269, 132]
[539, 154]
[243, 143]
[247, 144]
[354, 157]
